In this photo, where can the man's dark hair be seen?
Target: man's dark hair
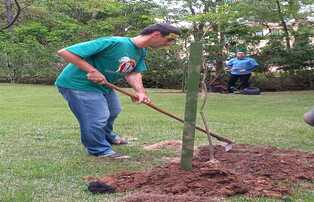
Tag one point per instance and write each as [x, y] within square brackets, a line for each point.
[164, 29]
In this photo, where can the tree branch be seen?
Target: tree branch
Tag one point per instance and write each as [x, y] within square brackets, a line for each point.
[15, 18]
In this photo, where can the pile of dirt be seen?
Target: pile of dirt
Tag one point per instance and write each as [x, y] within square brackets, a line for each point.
[249, 170]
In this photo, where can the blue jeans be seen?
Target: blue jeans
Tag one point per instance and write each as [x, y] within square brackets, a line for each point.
[95, 112]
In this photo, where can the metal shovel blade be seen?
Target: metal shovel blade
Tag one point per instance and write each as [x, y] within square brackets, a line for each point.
[228, 147]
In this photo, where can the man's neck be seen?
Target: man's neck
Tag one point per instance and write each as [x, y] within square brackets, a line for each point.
[141, 41]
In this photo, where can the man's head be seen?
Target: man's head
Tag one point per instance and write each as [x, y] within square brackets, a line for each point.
[161, 34]
[241, 52]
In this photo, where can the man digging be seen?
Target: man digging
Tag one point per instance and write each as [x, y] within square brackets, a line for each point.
[107, 59]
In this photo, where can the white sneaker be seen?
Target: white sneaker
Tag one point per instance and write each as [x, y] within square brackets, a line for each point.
[115, 155]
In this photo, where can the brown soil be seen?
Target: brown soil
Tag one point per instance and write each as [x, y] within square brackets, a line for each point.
[168, 144]
[249, 170]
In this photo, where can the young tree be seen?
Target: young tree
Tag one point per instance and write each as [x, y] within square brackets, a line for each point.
[191, 105]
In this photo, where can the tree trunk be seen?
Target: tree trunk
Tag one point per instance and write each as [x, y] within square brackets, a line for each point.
[184, 66]
[9, 12]
[191, 105]
[220, 38]
[11, 19]
[220, 57]
[284, 24]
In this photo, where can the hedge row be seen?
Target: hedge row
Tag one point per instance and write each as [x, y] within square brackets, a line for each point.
[174, 80]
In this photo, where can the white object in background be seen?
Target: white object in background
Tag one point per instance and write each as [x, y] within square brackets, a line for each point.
[309, 117]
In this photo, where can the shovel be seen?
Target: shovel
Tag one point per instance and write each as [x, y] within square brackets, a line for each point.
[227, 146]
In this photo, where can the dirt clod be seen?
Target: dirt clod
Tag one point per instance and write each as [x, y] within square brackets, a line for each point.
[168, 144]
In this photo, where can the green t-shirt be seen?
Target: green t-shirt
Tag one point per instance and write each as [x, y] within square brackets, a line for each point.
[114, 57]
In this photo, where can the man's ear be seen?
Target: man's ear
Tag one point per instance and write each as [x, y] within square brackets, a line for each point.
[156, 34]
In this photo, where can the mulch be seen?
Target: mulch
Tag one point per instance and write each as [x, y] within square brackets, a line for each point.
[249, 170]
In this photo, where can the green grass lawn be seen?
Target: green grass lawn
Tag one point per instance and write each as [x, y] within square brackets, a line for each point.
[42, 159]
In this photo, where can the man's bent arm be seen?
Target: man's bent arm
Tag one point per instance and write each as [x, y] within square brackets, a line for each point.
[74, 59]
[135, 81]
[93, 74]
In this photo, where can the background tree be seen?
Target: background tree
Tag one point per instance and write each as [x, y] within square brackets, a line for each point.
[278, 33]
[9, 13]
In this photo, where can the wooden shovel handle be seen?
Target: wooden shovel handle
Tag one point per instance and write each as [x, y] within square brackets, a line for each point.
[151, 105]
